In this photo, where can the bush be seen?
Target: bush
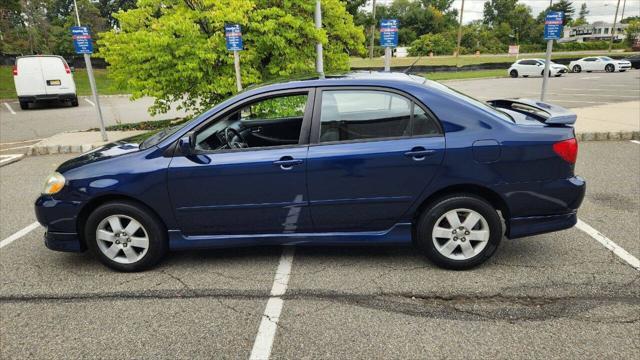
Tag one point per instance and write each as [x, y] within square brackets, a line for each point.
[436, 43]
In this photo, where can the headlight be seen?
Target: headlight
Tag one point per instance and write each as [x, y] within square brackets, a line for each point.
[53, 184]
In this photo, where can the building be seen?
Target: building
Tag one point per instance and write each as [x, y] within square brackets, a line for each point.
[599, 30]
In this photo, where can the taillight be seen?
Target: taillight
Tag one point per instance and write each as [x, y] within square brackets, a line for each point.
[567, 150]
[66, 68]
[15, 70]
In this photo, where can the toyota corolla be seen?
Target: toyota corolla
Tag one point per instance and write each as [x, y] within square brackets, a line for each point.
[358, 159]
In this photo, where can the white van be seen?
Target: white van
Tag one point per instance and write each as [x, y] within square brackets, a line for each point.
[43, 77]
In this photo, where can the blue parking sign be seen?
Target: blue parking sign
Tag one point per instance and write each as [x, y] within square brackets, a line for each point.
[233, 36]
[553, 25]
[389, 33]
[81, 40]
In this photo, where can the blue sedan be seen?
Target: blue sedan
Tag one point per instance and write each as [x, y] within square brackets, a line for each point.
[359, 159]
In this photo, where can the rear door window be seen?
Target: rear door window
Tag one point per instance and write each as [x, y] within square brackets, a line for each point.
[348, 115]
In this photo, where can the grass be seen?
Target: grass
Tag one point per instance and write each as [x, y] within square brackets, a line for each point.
[103, 82]
[473, 74]
[465, 59]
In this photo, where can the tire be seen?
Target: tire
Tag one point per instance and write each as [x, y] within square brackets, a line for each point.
[24, 105]
[542, 73]
[576, 68]
[609, 68]
[513, 73]
[129, 254]
[74, 102]
[436, 248]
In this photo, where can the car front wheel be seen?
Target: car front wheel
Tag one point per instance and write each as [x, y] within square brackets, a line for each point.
[576, 69]
[609, 68]
[459, 232]
[125, 236]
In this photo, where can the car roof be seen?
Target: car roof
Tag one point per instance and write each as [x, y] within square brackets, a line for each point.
[354, 78]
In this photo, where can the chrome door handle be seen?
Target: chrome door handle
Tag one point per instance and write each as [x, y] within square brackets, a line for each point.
[286, 163]
[419, 153]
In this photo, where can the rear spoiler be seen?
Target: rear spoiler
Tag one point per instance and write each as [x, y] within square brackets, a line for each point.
[545, 112]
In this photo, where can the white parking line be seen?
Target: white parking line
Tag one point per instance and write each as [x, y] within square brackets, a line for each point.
[10, 109]
[8, 159]
[606, 242]
[635, 142]
[90, 102]
[15, 148]
[19, 142]
[269, 323]
[19, 234]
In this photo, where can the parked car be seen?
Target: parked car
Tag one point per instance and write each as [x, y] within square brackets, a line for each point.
[535, 67]
[360, 159]
[634, 60]
[43, 77]
[599, 63]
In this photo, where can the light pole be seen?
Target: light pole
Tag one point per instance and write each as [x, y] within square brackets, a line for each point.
[92, 82]
[613, 29]
[319, 61]
[624, 5]
[459, 32]
[373, 30]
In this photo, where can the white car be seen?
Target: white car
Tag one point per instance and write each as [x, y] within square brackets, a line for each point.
[535, 67]
[599, 63]
[43, 77]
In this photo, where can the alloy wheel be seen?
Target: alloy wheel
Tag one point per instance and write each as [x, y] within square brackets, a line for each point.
[460, 234]
[122, 239]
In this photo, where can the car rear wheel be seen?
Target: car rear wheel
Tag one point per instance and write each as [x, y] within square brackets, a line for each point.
[24, 105]
[74, 102]
[125, 236]
[576, 69]
[609, 68]
[459, 231]
[513, 73]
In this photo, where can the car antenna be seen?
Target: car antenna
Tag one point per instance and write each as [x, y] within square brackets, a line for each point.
[406, 71]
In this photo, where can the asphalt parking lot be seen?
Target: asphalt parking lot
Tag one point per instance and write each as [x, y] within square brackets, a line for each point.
[572, 90]
[560, 295]
[50, 118]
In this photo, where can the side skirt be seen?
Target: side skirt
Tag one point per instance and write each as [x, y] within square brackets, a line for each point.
[399, 234]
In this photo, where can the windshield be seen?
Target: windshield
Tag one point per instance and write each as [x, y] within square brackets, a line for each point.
[481, 104]
[160, 135]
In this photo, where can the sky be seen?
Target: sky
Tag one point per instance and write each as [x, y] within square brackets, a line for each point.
[600, 10]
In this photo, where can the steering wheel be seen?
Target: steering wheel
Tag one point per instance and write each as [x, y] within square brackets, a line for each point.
[230, 134]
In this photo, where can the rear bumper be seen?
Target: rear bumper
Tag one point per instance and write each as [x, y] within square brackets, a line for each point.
[45, 97]
[534, 225]
[537, 208]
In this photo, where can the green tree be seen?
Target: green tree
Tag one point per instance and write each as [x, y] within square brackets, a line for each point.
[438, 44]
[632, 31]
[109, 7]
[582, 15]
[174, 50]
[565, 6]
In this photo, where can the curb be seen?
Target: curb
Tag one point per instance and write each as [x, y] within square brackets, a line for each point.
[36, 150]
[612, 136]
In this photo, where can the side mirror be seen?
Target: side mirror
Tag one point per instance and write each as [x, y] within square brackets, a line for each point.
[187, 144]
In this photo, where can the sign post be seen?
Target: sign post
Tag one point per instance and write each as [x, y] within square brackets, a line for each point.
[388, 40]
[552, 31]
[83, 45]
[233, 36]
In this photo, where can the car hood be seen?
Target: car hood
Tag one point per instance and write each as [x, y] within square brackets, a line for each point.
[108, 151]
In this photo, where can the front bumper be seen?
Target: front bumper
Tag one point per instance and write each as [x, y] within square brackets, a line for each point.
[59, 218]
[68, 242]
